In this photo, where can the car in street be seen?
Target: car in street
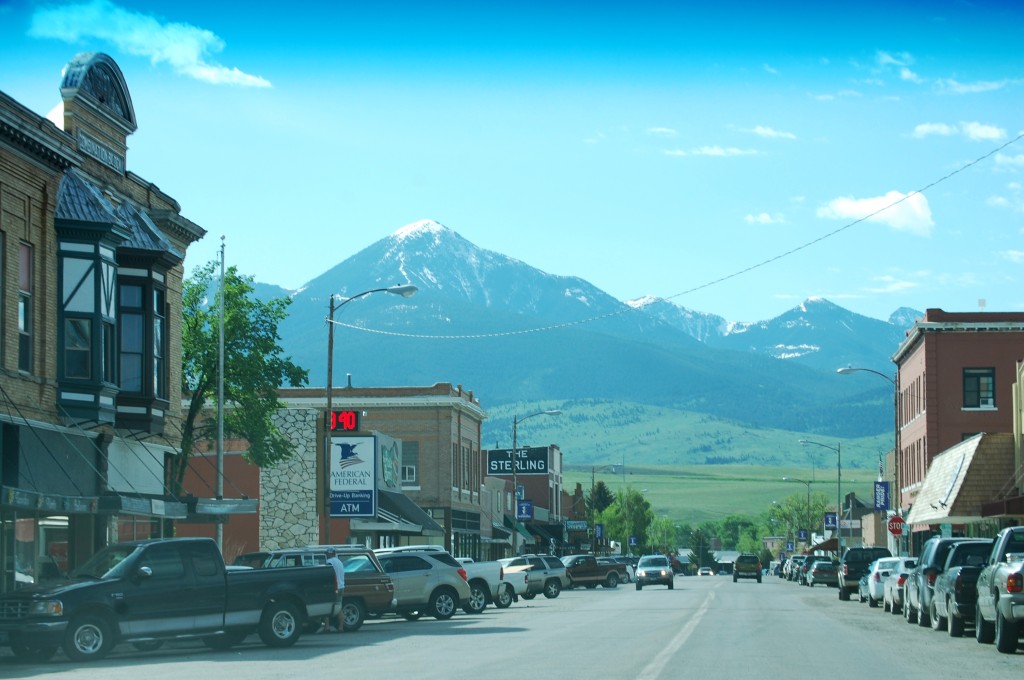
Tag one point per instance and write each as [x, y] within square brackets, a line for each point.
[878, 571]
[854, 564]
[892, 586]
[956, 588]
[425, 582]
[544, 574]
[630, 571]
[705, 571]
[822, 572]
[654, 569]
[747, 565]
[920, 586]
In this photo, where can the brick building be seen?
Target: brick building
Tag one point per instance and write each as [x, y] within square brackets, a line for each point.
[957, 375]
[91, 272]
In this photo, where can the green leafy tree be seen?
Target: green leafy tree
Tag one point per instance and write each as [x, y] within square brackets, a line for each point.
[733, 530]
[601, 498]
[701, 554]
[629, 516]
[663, 535]
[254, 368]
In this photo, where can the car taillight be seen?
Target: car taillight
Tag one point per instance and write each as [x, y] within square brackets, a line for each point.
[902, 580]
[846, 570]
[877, 577]
[501, 573]
[1014, 583]
[390, 587]
[462, 573]
[930, 578]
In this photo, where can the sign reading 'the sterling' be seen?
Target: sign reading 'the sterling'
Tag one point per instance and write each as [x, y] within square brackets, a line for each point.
[532, 460]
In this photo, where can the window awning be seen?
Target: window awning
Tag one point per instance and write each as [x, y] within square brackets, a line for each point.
[962, 478]
[397, 513]
[520, 527]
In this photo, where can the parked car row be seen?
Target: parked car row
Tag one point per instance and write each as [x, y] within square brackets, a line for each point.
[954, 584]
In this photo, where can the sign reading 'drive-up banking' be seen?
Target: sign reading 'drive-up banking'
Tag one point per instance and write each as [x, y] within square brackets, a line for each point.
[532, 460]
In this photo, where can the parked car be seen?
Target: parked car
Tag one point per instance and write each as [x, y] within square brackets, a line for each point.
[854, 564]
[956, 588]
[877, 572]
[747, 565]
[999, 614]
[822, 572]
[630, 571]
[892, 585]
[654, 569]
[545, 574]
[145, 592]
[425, 582]
[917, 593]
[368, 590]
[793, 566]
[585, 570]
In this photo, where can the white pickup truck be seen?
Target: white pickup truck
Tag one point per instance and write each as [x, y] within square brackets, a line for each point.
[490, 584]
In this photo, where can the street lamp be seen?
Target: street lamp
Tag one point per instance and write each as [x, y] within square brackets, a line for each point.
[897, 497]
[839, 490]
[405, 290]
[515, 479]
[808, 485]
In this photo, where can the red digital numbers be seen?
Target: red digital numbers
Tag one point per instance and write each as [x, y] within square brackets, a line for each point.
[347, 421]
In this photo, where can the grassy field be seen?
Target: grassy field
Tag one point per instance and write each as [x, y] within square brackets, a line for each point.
[699, 493]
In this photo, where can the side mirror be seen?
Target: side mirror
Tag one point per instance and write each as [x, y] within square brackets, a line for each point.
[144, 573]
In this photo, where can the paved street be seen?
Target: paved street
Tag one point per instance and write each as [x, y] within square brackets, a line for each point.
[706, 627]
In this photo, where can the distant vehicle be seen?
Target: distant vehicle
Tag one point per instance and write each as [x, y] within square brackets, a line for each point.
[748, 565]
[584, 570]
[878, 571]
[823, 572]
[625, 562]
[892, 585]
[705, 571]
[654, 569]
[854, 564]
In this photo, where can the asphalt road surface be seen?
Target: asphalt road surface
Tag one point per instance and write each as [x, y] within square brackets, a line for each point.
[706, 627]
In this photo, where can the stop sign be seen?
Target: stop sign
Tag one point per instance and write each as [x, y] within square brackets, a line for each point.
[896, 525]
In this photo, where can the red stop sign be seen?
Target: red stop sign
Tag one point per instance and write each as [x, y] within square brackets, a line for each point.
[896, 525]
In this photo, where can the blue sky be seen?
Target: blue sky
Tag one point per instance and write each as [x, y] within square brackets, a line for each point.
[721, 156]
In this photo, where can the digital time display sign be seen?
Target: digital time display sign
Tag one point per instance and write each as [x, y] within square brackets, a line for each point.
[343, 421]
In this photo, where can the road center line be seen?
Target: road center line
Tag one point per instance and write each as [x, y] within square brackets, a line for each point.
[653, 670]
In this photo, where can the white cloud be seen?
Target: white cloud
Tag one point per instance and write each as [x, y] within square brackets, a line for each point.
[1003, 159]
[184, 47]
[902, 212]
[926, 129]
[764, 218]
[722, 151]
[771, 69]
[893, 59]
[910, 76]
[998, 202]
[595, 139]
[986, 133]
[955, 87]
[1015, 256]
[890, 284]
[771, 133]
[664, 131]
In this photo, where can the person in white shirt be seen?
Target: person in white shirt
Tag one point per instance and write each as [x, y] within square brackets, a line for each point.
[337, 623]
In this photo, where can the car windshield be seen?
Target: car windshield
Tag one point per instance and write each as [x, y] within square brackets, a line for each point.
[107, 563]
[653, 562]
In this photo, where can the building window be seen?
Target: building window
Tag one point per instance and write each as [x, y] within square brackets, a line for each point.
[143, 351]
[25, 311]
[77, 348]
[410, 462]
[132, 338]
[159, 345]
[979, 388]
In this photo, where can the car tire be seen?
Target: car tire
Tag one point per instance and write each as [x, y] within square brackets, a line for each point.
[844, 594]
[412, 615]
[671, 585]
[955, 624]
[937, 622]
[353, 613]
[1006, 635]
[88, 638]
[758, 579]
[552, 589]
[443, 603]
[280, 625]
[639, 586]
[924, 619]
[872, 602]
[984, 631]
[612, 580]
[505, 597]
[477, 599]
[909, 613]
[734, 579]
[529, 596]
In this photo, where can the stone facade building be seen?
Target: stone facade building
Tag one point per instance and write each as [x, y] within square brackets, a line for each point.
[91, 267]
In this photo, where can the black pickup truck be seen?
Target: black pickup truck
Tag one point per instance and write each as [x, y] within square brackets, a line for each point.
[955, 595]
[145, 592]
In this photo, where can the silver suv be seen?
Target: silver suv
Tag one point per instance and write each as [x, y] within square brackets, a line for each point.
[426, 582]
[545, 574]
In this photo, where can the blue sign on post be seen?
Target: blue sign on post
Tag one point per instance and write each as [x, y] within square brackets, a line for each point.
[598, 531]
[830, 520]
[632, 541]
[802, 535]
[881, 495]
[524, 509]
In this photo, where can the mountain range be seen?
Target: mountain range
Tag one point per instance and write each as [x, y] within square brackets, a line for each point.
[518, 337]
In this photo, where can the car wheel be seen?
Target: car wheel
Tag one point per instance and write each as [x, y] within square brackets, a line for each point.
[505, 597]
[984, 631]
[529, 596]
[591, 585]
[758, 579]
[612, 580]
[280, 625]
[552, 589]
[844, 594]
[734, 579]
[353, 613]
[885, 605]
[909, 613]
[32, 654]
[671, 585]
[1005, 634]
[955, 624]
[872, 602]
[412, 615]
[923, 618]
[443, 603]
[88, 638]
[938, 623]
[639, 586]
[477, 599]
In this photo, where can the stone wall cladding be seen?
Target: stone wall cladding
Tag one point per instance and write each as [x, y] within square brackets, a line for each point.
[288, 493]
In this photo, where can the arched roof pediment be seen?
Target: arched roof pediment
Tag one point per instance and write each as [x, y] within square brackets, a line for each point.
[97, 76]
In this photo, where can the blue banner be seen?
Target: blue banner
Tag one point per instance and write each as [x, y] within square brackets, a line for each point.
[830, 520]
[881, 495]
